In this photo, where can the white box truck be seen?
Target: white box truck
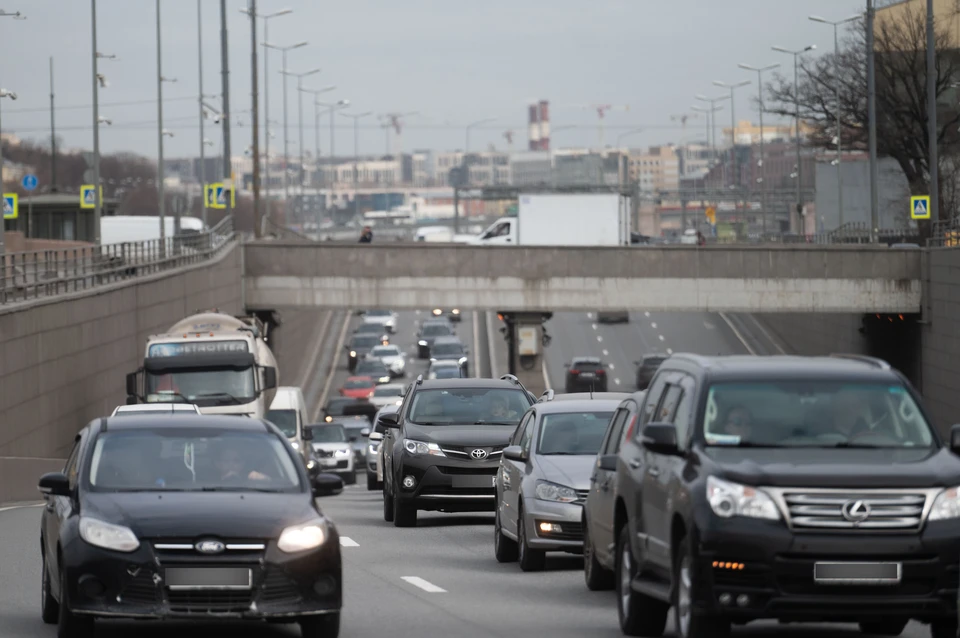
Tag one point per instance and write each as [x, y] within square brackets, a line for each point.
[562, 220]
[217, 361]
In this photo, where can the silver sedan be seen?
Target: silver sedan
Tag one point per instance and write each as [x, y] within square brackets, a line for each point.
[544, 478]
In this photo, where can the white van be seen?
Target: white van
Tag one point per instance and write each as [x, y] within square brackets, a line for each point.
[288, 411]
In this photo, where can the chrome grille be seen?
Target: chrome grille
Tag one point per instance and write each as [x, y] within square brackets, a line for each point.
[867, 510]
[463, 452]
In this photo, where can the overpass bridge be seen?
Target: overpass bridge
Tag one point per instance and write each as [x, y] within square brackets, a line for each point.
[778, 278]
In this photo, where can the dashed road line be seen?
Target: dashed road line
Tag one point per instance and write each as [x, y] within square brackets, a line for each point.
[653, 324]
[616, 381]
[612, 367]
[646, 314]
[20, 507]
[661, 338]
[594, 326]
[606, 352]
[426, 586]
[599, 338]
[346, 541]
[669, 350]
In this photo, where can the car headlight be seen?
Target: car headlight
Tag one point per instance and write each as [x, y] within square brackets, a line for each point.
[547, 491]
[372, 448]
[385, 379]
[437, 312]
[422, 448]
[421, 343]
[353, 353]
[729, 499]
[311, 464]
[946, 506]
[462, 360]
[328, 419]
[342, 453]
[300, 538]
[107, 535]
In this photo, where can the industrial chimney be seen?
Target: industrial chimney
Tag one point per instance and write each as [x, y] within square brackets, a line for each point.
[534, 128]
[544, 125]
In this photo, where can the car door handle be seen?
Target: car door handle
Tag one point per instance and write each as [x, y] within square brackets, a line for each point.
[653, 471]
[634, 463]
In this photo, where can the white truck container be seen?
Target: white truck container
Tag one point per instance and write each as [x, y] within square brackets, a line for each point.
[118, 229]
[562, 220]
[219, 362]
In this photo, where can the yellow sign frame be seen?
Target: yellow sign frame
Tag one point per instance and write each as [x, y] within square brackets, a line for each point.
[84, 189]
[916, 199]
[15, 205]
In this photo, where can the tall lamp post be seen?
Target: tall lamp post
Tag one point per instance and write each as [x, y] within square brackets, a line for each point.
[316, 137]
[283, 51]
[300, 77]
[332, 107]
[356, 153]
[13, 96]
[796, 99]
[734, 165]
[836, 64]
[760, 70]
[712, 101]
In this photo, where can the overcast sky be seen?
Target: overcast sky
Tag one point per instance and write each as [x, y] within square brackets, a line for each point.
[454, 62]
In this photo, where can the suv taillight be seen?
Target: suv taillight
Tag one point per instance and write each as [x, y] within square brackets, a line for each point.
[574, 371]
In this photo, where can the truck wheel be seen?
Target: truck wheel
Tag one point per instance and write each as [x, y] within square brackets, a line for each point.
[640, 615]
[504, 548]
[404, 514]
[387, 505]
[889, 627]
[689, 623]
[598, 577]
[944, 628]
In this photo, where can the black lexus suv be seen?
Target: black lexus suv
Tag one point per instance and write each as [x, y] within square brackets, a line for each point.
[442, 448]
[789, 488]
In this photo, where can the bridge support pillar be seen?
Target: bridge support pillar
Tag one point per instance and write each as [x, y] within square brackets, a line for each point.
[526, 339]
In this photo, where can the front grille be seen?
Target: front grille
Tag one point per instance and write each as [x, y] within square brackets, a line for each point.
[453, 491]
[464, 452]
[469, 471]
[200, 602]
[140, 589]
[278, 588]
[184, 551]
[865, 510]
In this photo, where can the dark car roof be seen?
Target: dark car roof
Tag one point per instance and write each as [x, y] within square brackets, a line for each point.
[739, 367]
[188, 420]
[439, 341]
[587, 396]
[586, 360]
[442, 384]
[581, 405]
[660, 356]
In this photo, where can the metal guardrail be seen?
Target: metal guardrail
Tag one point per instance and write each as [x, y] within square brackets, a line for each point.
[45, 273]
[945, 234]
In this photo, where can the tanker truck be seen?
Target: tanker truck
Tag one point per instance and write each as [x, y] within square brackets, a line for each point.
[216, 361]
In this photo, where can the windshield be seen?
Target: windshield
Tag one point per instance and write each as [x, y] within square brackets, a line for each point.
[385, 351]
[386, 391]
[358, 384]
[372, 368]
[814, 414]
[370, 328]
[335, 406]
[467, 406]
[286, 420]
[203, 387]
[364, 341]
[575, 433]
[447, 349]
[436, 330]
[328, 433]
[187, 459]
[446, 372]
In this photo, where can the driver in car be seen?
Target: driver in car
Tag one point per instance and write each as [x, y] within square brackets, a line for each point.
[500, 408]
[232, 466]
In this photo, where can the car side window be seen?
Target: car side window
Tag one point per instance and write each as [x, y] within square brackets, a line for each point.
[73, 463]
[684, 411]
[614, 432]
[652, 400]
[527, 435]
[518, 433]
[668, 405]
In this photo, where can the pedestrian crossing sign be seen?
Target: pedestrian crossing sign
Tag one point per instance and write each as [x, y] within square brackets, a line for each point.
[10, 207]
[220, 196]
[920, 207]
[88, 197]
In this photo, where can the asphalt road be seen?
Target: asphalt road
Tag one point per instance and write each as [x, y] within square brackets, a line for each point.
[578, 334]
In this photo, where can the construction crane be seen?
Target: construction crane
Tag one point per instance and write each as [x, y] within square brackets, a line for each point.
[395, 121]
[508, 135]
[601, 111]
[683, 124]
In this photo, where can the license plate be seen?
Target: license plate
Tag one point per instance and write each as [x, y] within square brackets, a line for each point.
[186, 578]
[587, 375]
[471, 482]
[857, 573]
[328, 462]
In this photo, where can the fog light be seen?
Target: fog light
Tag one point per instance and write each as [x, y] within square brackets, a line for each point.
[726, 599]
[325, 585]
[550, 528]
[91, 586]
[409, 482]
[743, 600]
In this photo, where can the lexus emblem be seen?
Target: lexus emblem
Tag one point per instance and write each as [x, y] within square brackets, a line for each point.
[479, 454]
[856, 511]
[210, 547]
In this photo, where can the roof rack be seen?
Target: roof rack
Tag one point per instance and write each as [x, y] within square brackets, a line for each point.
[514, 380]
[546, 396]
[419, 379]
[874, 361]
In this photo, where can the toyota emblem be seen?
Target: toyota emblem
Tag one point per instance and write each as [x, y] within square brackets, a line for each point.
[210, 547]
[856, 511]
[479, 454]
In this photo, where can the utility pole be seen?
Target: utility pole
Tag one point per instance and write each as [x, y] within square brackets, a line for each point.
[796, 104]
[934, 160]
[763, 183]
[225, 72]
[872, 120]
[256, 120]
[160, 194]
[97, 210]
[203, 161]
[53, 136]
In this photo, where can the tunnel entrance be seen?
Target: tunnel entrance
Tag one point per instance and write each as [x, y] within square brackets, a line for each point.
[895, 338]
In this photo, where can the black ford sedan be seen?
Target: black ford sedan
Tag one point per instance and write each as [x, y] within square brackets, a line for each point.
[198, 517]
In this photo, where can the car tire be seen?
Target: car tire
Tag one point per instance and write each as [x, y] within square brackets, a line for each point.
[404, 514]
[597, 577]
[325, 626]
[49, 607]
[531, 560]
[372, 482]
[70, 625]
[504, 548]
[387, 505]
[888, 627]
[943, 628]
[351, 478]
[639, 614]
[687, 622]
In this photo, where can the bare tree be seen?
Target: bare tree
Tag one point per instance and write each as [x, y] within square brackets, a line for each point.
[901, 99]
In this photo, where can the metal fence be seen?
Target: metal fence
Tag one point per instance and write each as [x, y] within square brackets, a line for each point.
[945, 234]
[44, 273]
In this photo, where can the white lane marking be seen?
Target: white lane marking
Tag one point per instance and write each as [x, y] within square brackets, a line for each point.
[606, 352]
[594, 326]
[20, 507]
[646, 314]
[418, 312]
[653, 324]
[589, 315]
[617, 381]
[599, 338]
[612, 367]
[736, 333]
[709, 325]
[669, 350]
[661, 337]
[426, 586]
[346, 541]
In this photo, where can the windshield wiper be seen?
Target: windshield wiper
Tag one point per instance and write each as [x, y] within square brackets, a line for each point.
[219, 395]
[482, 422]
[271, 490]
[852, 446]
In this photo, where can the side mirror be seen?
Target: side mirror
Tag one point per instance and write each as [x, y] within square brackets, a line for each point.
[389, 421]
[514, 453]
[376, 436]
[306, 434]
[955, 439]
[607, 462]
[132, 389]
[660, 438]
[352, 438]
[55, 484]
[269, 378]
[327, 485]
[365, 432]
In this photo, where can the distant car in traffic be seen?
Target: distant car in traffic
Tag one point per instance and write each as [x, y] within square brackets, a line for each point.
[452, 315]
[585, 374]
[386, 318]
[450, 349]
[360, 387]
[647, 366]
[332, 449]
[154, 521]
[372, 328]
[156, 408]
[359, 346]
[613, 316]
[428, 332]
[445, 370]
[374, 466]
[373, 368]
[387, 394]
[392, 357]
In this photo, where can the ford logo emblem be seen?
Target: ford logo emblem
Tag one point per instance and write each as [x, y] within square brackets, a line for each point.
[210, 547]
[479, 454]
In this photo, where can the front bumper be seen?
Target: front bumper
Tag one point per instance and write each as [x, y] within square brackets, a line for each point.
[115, 585]
[778, 571]
[448, 484]
[569, 517]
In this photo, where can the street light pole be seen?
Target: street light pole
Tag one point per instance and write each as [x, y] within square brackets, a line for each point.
[225, 72]
[713, 122]
[203, 166]
[356, 154]
[836, 66]
[872, 124]
[163, 230]
[332, 109]
[934, 160]
[286, 147]
[734, 164]
[763, 183]
[255, 98]
[97, 209]
[299, 77]
[796, 101]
